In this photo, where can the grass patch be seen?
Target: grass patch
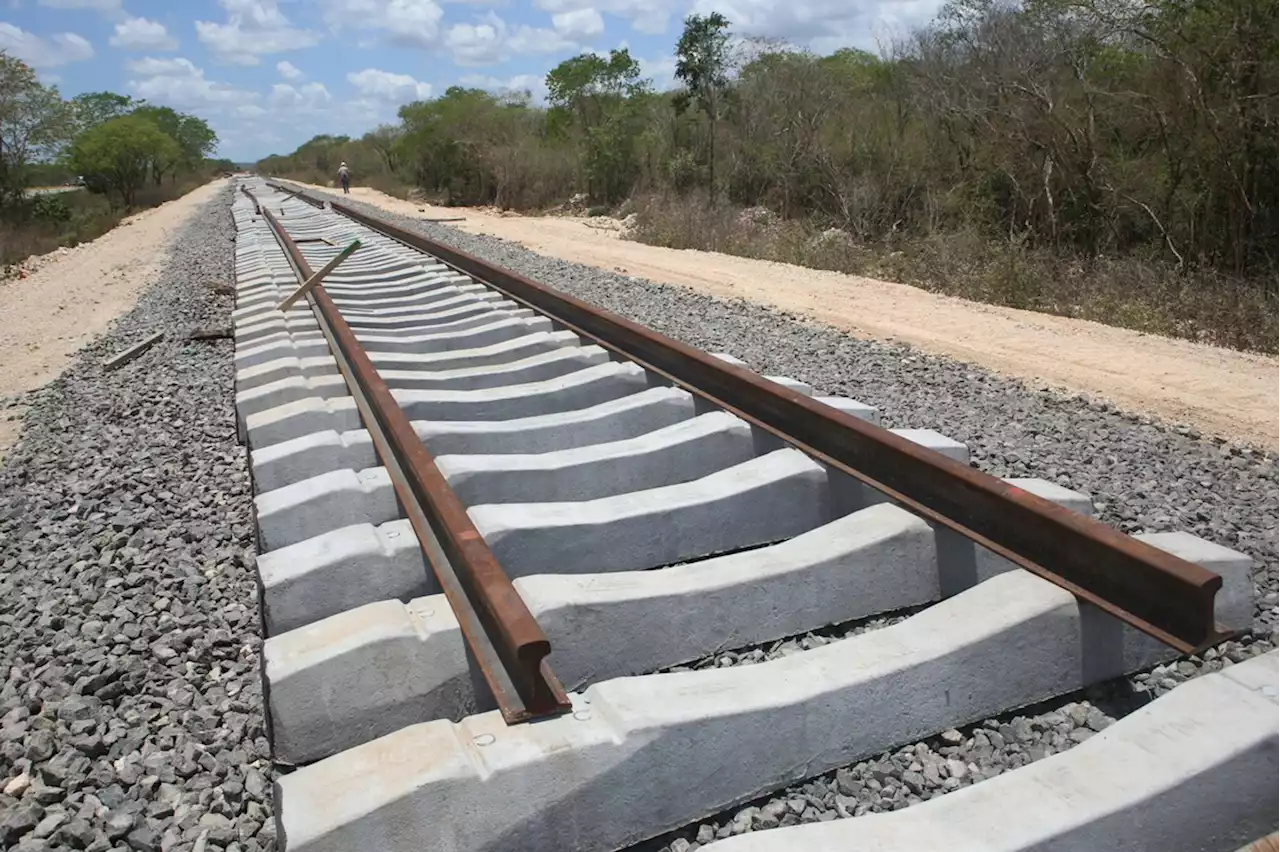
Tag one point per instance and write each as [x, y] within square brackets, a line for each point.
[43, 223]
[1140, 293]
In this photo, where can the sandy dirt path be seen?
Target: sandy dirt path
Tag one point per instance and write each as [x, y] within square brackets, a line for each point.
[74, 294]
[1218, 391]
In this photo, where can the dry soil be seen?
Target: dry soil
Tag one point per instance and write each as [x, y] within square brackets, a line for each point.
[73, 295]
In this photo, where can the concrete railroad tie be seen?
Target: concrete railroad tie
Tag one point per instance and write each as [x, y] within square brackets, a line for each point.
[647, 530]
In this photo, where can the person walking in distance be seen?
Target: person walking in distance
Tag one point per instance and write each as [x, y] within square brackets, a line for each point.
[344, 177]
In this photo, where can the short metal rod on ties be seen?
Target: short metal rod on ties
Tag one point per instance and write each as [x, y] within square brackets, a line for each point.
[306, 286]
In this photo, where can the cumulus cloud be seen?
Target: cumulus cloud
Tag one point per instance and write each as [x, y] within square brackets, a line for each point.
[534, 84]
[411, 23]
[40, 52]
[646, 16]
[289, 71]
[480, 43]
[490, 41]
[151, 66]
[309, 97]
[661, 70]
[142, 34]
[824, 25]
[253, 29]
[388, 87]
[578, 24]
[179, 83]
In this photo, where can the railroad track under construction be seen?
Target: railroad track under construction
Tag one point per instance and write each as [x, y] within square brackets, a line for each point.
[504, 537]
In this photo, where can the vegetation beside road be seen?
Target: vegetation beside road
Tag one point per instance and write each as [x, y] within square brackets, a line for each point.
[1107, 160]
[131, 156]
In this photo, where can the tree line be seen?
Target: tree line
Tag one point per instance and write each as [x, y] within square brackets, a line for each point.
[1076, 129]
[115, 143]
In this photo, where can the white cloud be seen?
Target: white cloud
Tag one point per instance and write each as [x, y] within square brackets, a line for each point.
[578, 24]
[490, 41]
[289, 71]
[527, 39]
[178, 83]
[646, 16]
[253, 28]
[411, 23]
[40, 52]
[151, 66]
[384, 86]
[824, 25]
[534, 84]
[309, 97]
[477, 44]
[662, 71]
[142, 34]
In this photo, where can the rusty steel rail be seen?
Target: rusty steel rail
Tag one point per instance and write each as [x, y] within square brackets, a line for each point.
[509, 646]
[1156, 592]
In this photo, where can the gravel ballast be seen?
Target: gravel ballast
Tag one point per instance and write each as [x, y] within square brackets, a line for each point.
[131, 710]
[1144, 476]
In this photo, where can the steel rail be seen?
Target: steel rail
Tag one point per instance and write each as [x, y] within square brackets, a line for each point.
[1156, 592]
[506, 641]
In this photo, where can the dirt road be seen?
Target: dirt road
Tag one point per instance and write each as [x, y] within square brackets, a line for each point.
[74, 294]
[1218, 391]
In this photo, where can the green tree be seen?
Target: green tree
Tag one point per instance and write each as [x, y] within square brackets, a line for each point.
[589, 85]
[383, 140]
[194, 137]
[702, 64]
[601, 99]
[33, 124]
[93, 108]
[120, 151]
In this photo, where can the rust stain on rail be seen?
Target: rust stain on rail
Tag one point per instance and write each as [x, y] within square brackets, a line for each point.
[503, 623]
[1156, 592]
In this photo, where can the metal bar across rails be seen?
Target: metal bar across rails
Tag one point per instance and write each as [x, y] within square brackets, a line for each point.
[1159, 594]
[509, 646]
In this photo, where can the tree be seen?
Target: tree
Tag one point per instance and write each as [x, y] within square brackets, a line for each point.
[120, 151]
[33, 124]
[194, 137]
[588, 85]
[93, 108]
[383, 140]
[600, 97]
[702, 64]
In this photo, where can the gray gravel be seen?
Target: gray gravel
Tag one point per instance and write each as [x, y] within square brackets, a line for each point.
[1144, 476]
[131, 710]
[779, 648]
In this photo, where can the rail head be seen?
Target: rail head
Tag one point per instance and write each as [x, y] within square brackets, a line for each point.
[1157, 593]
[509, 646]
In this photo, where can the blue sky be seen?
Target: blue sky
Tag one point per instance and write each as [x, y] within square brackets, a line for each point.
[270, 74]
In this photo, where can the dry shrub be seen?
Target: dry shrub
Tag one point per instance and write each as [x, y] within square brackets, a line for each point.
[530, 175]
[1129, 292]
[89, 217]
[389, 185]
